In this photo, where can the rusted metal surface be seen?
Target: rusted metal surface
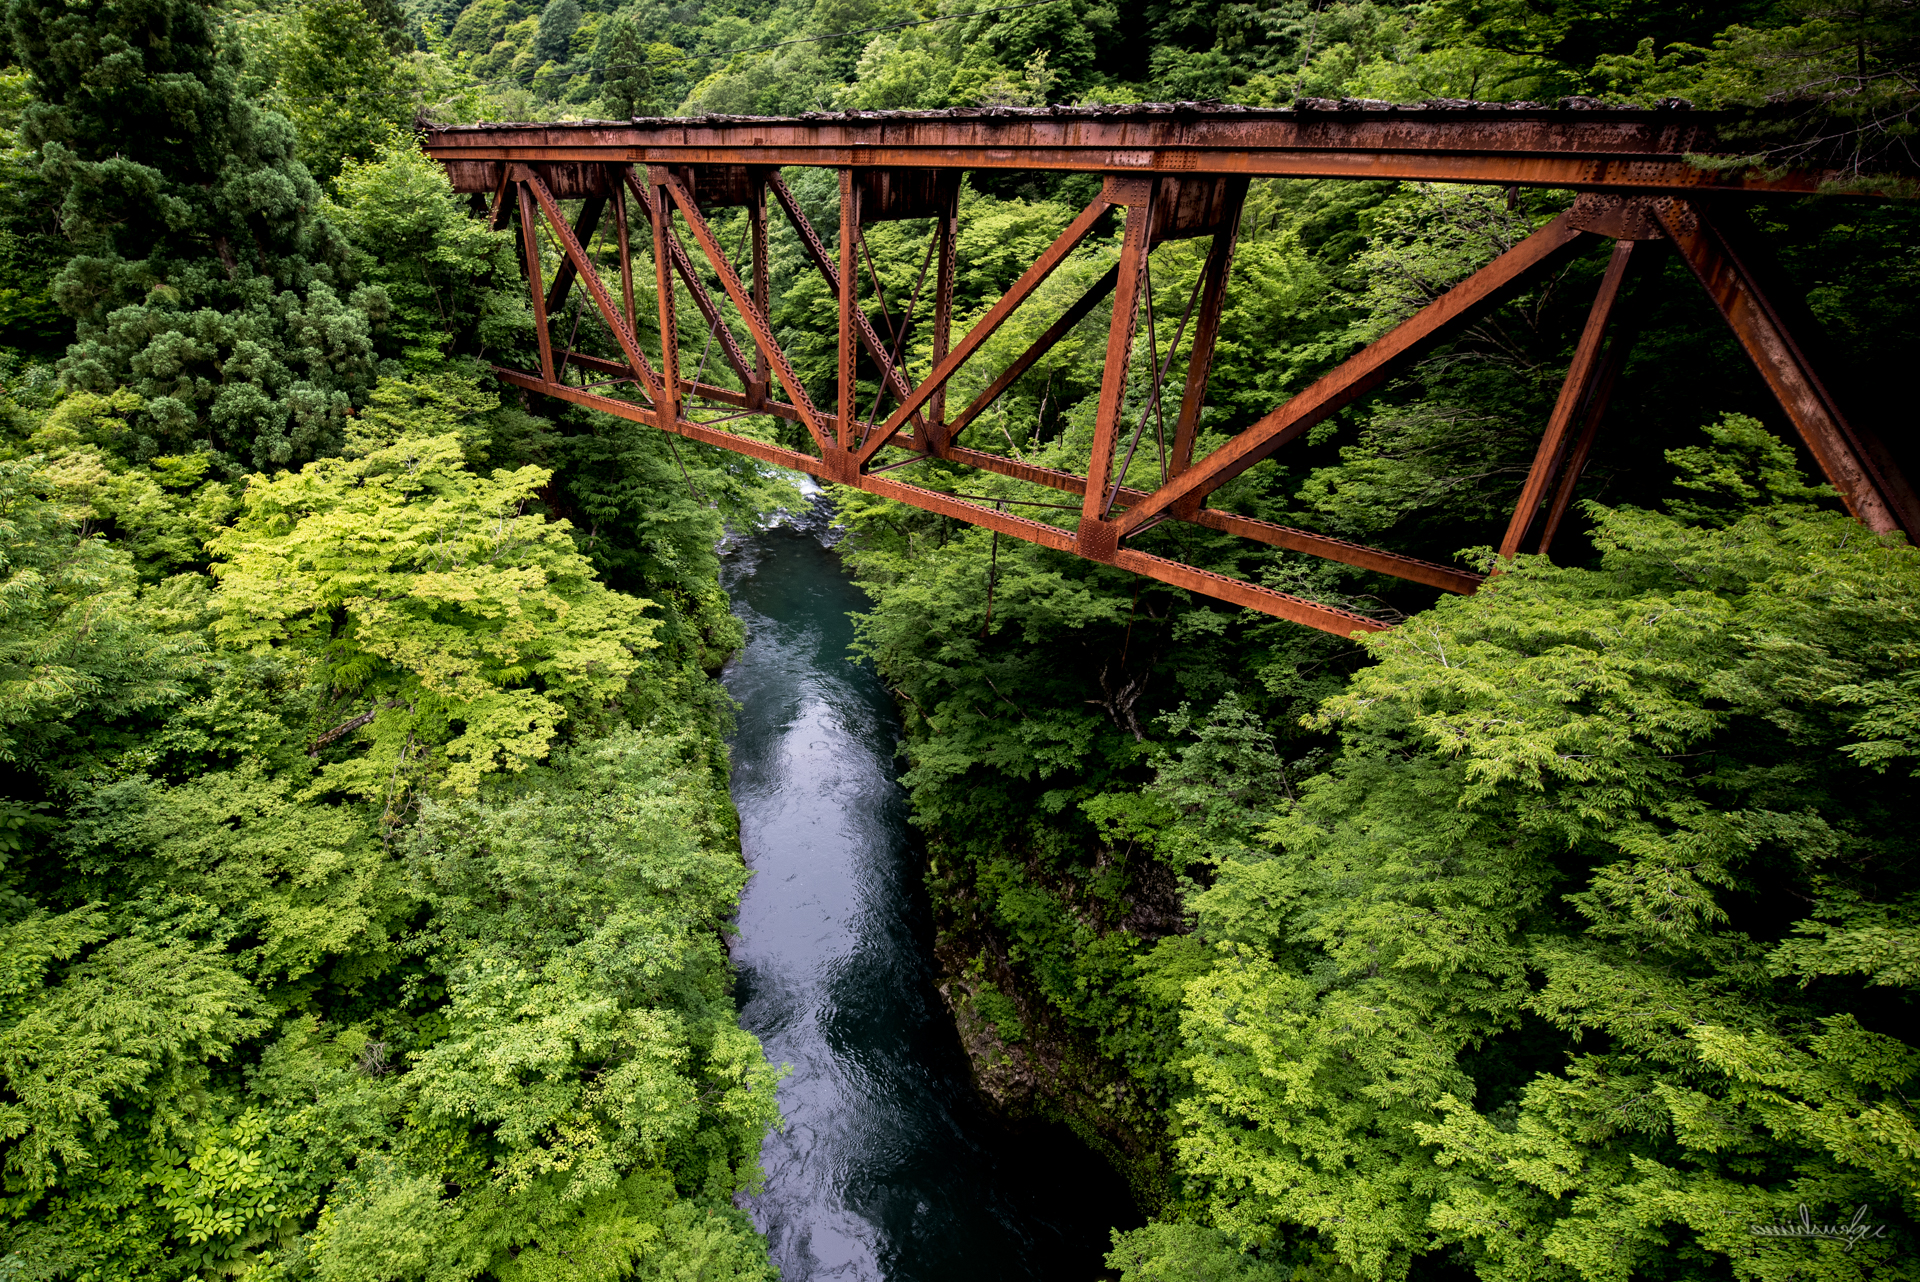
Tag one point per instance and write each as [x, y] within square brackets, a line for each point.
[583, 228]
[937, 433]
[1625, 329]
[1097, 537]
[696, 287]
[1200, 365]
[762, 282]
[1853, 461]
[1038, 348]
[849, 393]
[530, 263]
[1372, 366]
[1412, 569]
[1176, 173]
[816, 252]
[1575, 391]
[1617, 216]
[769, 347]
[1579, 144]
[624, 247]
[667, 402]
[996, 315]
[576, 257]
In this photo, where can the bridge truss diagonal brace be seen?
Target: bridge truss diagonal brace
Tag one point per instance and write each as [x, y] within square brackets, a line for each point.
[1853, 461]
[1040, 347]
[1367, 369]
[743, 303]
[1250, 595]
[1097, 538]
[1412, 569]
[1200, 364]
[696, 288]
[1583, 375]
[1008, 303]
[816, 253]
[576, 254]
[583, 228]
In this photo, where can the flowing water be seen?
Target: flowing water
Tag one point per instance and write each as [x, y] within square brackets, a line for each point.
[888, 1168]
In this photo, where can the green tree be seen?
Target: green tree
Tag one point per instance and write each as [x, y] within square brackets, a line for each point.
[466, 628]
[439, 270]
[626, 76]
[553, 41]
[76, 652]
[344, 89]
[1615, 1009]
[201, 276]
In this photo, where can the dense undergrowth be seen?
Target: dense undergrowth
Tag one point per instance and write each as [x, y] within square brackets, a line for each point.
[367, 855]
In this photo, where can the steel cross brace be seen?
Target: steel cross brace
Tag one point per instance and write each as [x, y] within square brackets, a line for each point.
[1705, 237]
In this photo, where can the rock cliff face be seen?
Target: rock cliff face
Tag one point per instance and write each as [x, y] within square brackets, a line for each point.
[1027, 1061]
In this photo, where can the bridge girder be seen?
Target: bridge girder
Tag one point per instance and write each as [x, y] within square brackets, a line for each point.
[1167, 175]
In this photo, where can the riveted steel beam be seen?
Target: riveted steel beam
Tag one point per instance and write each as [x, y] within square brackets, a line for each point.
[1584, 148]
[1575, 391]
[1853, 460]
[1367, 369]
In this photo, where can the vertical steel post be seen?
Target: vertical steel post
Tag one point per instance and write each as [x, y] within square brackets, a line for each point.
[502, 211]
[1097, 538]
[1574, 393]
[849, 284]
[619, 198]
[530, 247]
[948, 248]
[1594, 410]
[1205, 335]
[669, 406]
[762, 289]
[1627, 318]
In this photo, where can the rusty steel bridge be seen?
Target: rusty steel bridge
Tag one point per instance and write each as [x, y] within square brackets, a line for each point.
[1176, 171]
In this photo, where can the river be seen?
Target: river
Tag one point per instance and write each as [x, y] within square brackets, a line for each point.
[889, 1166]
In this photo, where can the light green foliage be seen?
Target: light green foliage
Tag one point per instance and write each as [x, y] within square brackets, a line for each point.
[354, 931]
[138, 1022]
[471, 627]
[164, 508]
[279, 885]
[1746, 465]
[1186, 1253]
[1627, 756]
[608, 873]
[75, 651]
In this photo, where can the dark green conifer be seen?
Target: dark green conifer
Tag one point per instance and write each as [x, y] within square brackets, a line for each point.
[203, 277]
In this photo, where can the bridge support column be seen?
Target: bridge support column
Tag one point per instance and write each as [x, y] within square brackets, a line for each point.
[1095, 537]
[669, 403]
[1577, 393]
[530, 246]
[1853, 460]
[757, 216]
[849, 400]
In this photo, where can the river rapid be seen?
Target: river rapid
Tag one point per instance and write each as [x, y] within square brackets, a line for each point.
[889, 1167]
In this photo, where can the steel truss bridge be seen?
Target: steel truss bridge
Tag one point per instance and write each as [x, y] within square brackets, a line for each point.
[1170, 172]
